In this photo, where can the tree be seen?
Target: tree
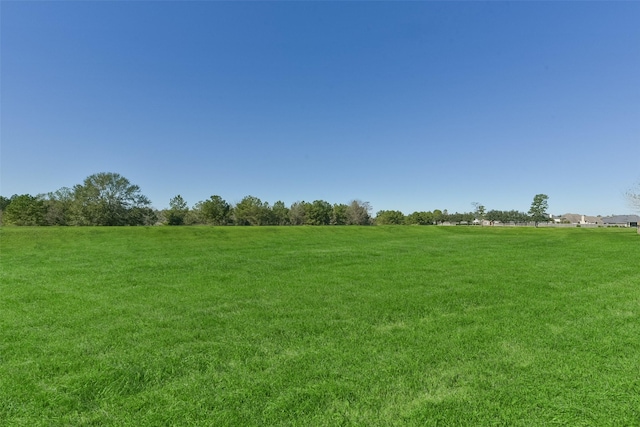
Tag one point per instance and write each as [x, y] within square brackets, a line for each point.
[495, 215]
[107, 198]
[437, 216]
[339, 214]
[389, 217]
[25, 210]
[538, 210]
[215, 210]
[251, 211]
[141, 216]
[177, 211]
[298, 213]
[4, 202]
[358, 213]
[319, 213]
[479, 211]
[633, 197]
[456, 217]
[59, 206]
[418, 218]
[280, 213]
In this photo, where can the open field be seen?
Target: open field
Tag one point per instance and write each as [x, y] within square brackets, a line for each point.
[313, 326]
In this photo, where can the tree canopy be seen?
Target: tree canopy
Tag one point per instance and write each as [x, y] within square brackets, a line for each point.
[108, 199]
[389, 217]
[538, 210]
[25, 210]
[177, 212]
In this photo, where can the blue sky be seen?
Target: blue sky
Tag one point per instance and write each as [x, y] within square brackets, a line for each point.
[407, 105]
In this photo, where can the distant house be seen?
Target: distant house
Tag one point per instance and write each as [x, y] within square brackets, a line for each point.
[581, 219]
[556, 219]
[621, 220]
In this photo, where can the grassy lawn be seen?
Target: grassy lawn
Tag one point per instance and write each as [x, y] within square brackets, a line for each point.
[319, 326]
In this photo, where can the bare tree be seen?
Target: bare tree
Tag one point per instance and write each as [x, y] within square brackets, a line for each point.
[633, 196]
[358, 213]
[479, 212]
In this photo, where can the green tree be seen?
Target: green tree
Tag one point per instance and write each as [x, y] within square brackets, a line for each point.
[479, 211]
[251, 211]
[59, 206]
[215, 210]
[142, 216]
[456, 218]
[319, 213]
[4, 202]
[538, 210]
[339, 214]
[418, 218]
[517, 217]
[298, 213]
[25, 210]
[437, 216]
[177, 211]
[280, 213]
[389, 217]
[107, 198]
[495, 215]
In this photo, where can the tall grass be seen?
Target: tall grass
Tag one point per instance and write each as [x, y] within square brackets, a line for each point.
[319, 326]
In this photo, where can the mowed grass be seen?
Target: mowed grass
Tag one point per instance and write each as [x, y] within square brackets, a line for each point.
[319, 326]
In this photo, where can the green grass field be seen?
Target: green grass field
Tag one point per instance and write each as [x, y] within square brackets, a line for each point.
[319, 326]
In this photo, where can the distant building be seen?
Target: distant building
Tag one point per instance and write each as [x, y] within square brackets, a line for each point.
[581, 219]
[621, 220]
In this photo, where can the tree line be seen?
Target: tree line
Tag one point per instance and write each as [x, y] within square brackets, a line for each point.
[440, 217]
[109, 199]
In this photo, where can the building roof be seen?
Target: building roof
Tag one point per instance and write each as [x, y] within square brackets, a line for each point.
[577, 218]
[621, 219]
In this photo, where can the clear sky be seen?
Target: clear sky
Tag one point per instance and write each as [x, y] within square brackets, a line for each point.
[413, 106]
